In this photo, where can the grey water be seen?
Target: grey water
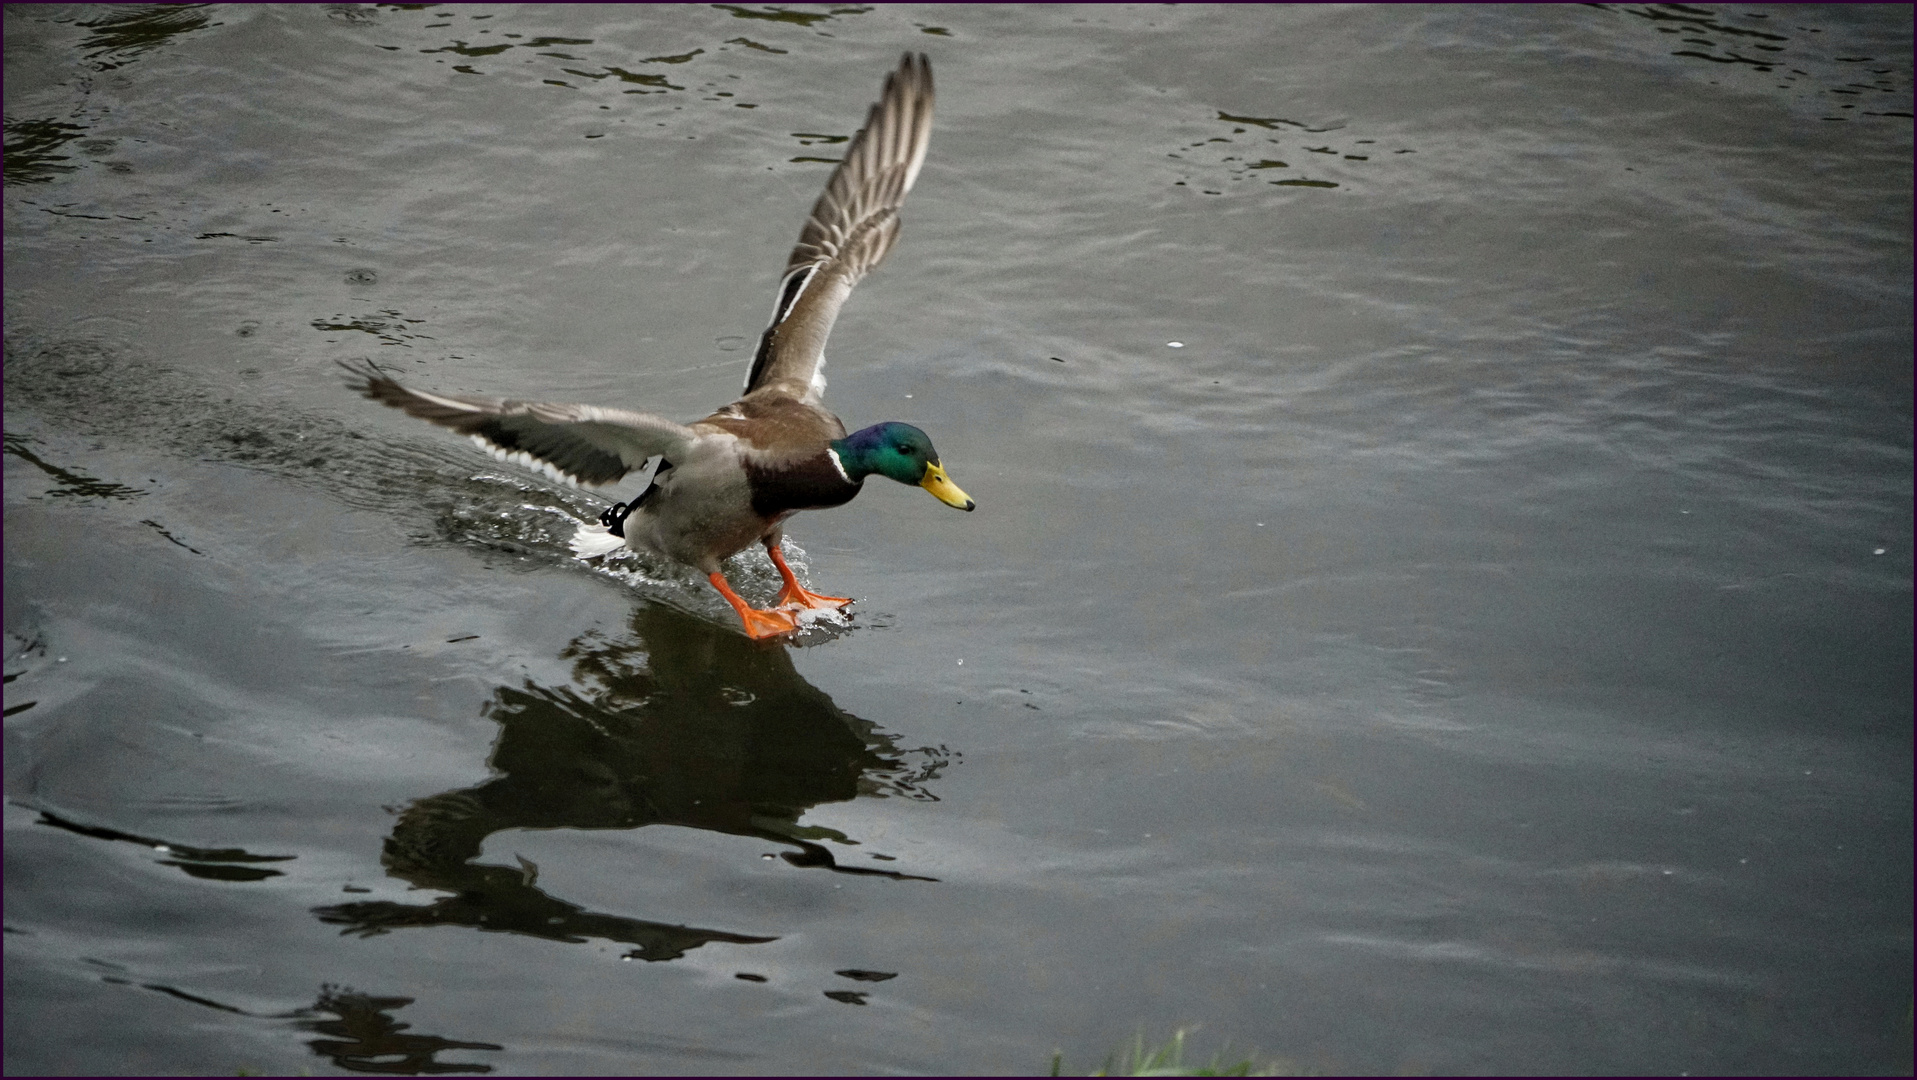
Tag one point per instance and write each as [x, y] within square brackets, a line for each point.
[1440, 599]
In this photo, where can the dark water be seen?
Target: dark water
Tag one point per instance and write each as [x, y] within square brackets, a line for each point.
[1481, 643]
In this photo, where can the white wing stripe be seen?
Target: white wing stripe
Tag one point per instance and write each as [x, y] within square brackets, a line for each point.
[522, 458]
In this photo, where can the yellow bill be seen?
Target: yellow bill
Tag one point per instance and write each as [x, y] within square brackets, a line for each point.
[943, 489]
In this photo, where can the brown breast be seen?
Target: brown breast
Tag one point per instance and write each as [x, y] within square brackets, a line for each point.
[787, 462]
[811, 483]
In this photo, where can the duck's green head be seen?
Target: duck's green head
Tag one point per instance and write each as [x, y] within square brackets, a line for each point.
[903, 453]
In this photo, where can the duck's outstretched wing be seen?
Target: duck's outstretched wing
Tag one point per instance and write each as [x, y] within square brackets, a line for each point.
[852, 227]
[578, 444]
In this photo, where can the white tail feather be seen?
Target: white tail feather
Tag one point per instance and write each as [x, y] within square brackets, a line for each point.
[593, 540]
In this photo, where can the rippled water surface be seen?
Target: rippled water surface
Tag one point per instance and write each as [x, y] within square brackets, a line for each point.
[1440, 599]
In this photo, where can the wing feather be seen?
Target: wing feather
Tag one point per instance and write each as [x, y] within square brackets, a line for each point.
[579, 444]
[852, 228]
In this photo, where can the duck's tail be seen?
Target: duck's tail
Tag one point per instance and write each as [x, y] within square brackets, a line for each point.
[593, 540]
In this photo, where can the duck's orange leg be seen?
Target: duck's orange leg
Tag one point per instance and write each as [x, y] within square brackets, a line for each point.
[758, 624]
[795, 594]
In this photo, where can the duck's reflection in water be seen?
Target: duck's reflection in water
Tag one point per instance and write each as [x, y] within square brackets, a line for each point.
[362, 1036]
[683, 723]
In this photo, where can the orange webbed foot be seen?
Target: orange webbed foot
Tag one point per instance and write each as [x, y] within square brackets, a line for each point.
[795, 595]
[759, 625]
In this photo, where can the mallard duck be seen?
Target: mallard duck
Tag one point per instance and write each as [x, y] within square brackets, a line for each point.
[732, 479]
